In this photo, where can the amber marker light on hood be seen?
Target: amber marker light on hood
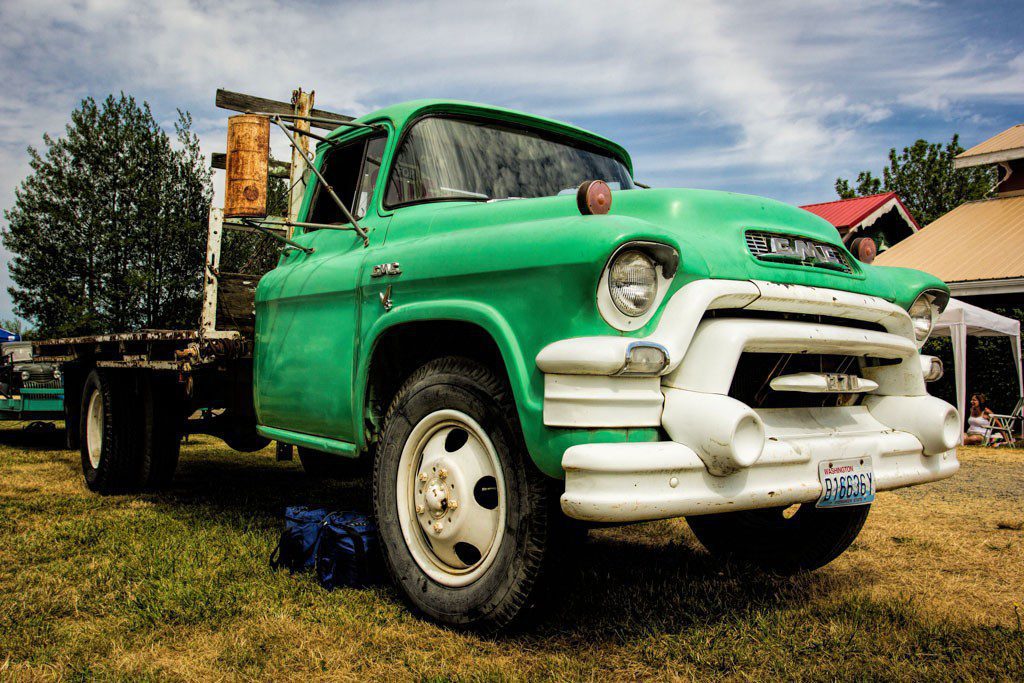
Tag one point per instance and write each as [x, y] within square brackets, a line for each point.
[865, 249]
[594, 197]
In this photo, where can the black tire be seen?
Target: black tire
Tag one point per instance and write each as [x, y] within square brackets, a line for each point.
[321, 465]
[509, 587]
[768, 539]
[162, 421]
[72, 409]
[241, 435]
[114, 466]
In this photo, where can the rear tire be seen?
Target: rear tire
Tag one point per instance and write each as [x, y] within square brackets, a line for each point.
[768, 539]
[452, 434]
[321, 465]
[109, 433]
[162, 420]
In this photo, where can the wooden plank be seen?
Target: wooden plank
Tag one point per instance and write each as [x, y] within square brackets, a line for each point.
[300, 174]
[214, 235]
[236, 302]
[236, 101]
[278, 169]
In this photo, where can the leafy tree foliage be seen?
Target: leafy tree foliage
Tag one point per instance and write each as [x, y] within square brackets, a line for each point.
[924, 178]
[108, 231]
[243, 252]
[18, 327]
[277, 196]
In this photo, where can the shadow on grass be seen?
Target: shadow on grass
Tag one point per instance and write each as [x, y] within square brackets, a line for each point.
[606, 587]
[611, 586]
[615, 589]
[32, 438]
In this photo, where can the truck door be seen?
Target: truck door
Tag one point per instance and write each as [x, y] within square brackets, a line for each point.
[308, 308]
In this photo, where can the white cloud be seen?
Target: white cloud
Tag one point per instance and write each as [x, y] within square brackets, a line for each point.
[779, 96]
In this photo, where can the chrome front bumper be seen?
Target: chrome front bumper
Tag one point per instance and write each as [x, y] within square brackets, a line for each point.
[725, 455]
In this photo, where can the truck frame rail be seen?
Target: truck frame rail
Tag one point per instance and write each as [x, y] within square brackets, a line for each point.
[179, 350]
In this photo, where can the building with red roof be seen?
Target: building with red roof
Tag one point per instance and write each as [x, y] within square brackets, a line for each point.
[978, 247]
[881, 217]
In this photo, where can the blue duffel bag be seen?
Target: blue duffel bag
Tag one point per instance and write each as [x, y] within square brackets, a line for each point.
[347, 554]
[296, 550]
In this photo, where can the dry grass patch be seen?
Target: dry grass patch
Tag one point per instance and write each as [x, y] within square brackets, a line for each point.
[176, 586]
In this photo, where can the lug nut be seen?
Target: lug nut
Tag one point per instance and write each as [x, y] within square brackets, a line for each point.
[453, 505]
[423, 476]
[420, 509]
[442, 473]
[438, 527]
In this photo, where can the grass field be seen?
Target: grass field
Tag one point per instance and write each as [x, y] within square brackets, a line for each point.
[176, 586]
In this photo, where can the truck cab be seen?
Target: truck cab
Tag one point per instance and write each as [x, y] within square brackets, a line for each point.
[527, 340]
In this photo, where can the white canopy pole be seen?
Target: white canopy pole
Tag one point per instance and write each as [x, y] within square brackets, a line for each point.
[961, 319]
[958, 336]
[1016, 361]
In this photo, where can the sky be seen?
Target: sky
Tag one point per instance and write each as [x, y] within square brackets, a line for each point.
[769, 98]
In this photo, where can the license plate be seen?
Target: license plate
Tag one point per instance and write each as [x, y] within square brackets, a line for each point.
[846, 482]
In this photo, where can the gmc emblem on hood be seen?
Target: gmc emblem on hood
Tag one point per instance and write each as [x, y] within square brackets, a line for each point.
[789, 249]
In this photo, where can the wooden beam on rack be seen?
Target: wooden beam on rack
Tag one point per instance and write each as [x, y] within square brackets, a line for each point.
[236, 101]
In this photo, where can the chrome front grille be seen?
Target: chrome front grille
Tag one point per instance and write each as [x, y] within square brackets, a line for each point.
[816, 254]
[757, 243]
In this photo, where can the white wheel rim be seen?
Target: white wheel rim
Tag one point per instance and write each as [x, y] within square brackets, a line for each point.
[94, 429]
[451, 503]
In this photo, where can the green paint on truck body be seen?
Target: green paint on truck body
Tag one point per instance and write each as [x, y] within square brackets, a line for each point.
[33, 404]
[526, 271]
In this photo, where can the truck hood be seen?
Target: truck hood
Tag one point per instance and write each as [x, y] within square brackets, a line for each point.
[707, 227]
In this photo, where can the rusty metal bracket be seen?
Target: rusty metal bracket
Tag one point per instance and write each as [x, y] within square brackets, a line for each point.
[277, 120]
[249, 224]
[312, 119]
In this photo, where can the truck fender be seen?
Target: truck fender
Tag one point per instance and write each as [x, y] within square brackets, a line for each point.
[486, 317]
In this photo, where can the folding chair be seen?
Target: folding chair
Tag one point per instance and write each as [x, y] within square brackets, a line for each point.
[1010, 428]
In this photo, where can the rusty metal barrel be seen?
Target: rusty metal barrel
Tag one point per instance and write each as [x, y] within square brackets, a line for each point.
[245, 190]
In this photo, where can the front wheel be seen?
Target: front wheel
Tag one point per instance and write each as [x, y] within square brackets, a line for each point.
[464, 516]
[781, 540]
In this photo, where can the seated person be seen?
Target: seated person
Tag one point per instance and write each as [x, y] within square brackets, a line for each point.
[979, 421]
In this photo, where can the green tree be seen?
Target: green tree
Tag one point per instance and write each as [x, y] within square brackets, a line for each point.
[277, 196]
[924, 178]
[244, 252]
[108, 230]
[17, 327]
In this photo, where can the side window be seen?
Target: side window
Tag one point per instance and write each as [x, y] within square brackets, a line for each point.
[352, 171]
[371, 170]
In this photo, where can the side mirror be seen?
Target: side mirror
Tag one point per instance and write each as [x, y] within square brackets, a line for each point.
[248, 160]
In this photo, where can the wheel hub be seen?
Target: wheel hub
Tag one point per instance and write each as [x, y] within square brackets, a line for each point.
[435, 499]
[454, 494]
[436, 494]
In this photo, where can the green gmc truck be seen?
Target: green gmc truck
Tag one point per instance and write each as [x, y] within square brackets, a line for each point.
[523, 340]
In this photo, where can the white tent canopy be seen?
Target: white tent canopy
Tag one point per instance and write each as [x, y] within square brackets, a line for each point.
[961, 319]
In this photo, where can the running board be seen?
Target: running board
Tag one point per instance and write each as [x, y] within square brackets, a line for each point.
[316, 443]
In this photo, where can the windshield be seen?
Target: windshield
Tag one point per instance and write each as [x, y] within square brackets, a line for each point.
[446, 159]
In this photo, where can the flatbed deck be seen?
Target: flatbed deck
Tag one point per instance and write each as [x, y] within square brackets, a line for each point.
[178, 350]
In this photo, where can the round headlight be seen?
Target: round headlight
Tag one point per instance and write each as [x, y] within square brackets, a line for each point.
[923, 314]
[633, 282]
